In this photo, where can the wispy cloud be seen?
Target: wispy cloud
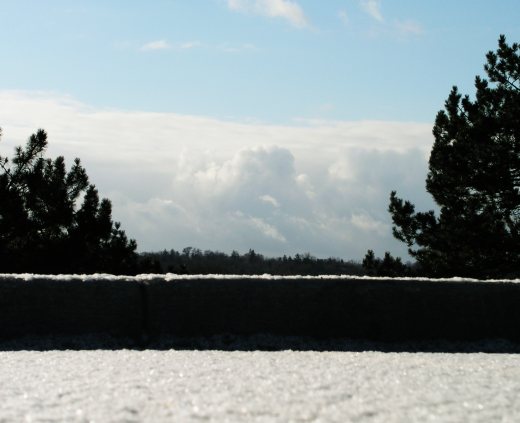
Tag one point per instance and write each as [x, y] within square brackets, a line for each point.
[409, 27]
[399, 27]
[165, 45]
[269, 200]
[189, 45]
[156, 45]
[177, 180]
[343, 17]
[267, 229]
[373, 8]
[285, 9]
[236, 48]
[367, 223]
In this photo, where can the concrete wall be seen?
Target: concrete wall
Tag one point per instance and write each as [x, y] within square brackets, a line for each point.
[378, 310]
[71, 307]
[384, 310]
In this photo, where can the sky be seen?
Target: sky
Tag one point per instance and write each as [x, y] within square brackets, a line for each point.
[276, 125]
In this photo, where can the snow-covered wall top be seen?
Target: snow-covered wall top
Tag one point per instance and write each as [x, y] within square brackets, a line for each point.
[176, 277]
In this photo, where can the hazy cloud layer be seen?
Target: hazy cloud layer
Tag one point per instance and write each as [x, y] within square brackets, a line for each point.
[177, 180]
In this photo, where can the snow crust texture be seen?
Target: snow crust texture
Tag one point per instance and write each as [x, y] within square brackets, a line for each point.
[191, 386]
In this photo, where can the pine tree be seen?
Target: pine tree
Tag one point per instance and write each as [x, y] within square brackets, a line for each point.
[388, 266]
[52, 221]
[474, 177]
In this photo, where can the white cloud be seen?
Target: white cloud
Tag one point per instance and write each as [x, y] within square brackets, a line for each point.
[373, 8]
[156, 45]
[286, 9]
[269, 200]
[177, 180]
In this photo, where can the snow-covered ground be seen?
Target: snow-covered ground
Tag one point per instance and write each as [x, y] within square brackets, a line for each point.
[155, 386]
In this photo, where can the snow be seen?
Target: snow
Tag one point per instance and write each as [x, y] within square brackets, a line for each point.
[174, 277]
[173, 385]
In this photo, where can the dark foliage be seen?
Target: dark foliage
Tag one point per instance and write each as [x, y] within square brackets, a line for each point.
[388, 266]
[474, 177]
[194, 261]
[52, 220]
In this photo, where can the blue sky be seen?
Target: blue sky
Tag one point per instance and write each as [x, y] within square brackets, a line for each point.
[343, 61]
[339, 94]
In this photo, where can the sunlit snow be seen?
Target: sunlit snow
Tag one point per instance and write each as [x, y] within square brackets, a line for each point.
[155, 386]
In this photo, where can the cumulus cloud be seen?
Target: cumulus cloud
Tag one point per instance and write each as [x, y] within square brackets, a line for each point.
[156, 45]
[373, 8]
[286, 9]
[176, 180]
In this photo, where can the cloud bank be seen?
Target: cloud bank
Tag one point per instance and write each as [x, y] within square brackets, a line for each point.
[177, 180]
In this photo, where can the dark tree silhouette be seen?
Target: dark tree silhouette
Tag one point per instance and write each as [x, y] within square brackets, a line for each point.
[388, 266]
[474, 177]
[52, 221]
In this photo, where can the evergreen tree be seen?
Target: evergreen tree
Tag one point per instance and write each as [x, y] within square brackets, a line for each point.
[474, 177]
[388, 266]
[52, 221]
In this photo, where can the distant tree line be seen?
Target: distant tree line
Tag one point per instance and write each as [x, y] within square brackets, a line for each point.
[195, 261]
